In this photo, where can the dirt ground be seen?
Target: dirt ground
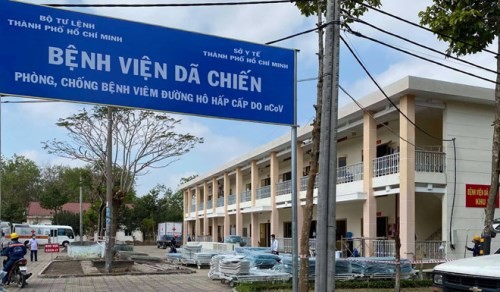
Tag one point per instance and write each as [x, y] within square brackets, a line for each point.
[64, 268]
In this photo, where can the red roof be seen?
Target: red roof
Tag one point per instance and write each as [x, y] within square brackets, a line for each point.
[34, 208]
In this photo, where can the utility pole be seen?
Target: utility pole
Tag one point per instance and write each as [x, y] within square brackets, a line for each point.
[81, 211]
[327, 197]
[109, 192]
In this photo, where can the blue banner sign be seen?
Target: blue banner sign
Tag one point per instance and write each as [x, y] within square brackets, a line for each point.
[65, 55]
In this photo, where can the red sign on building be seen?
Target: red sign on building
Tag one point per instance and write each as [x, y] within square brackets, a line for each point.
[476, 196]
[51, 248]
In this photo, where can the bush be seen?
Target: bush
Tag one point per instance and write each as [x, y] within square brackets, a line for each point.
[352, 284]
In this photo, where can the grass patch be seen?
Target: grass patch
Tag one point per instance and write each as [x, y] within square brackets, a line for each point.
[354, 284]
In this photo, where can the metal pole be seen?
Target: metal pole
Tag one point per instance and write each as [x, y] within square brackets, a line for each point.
[295, 237]
[1, 161]
[81, 211]
[109, 191]
[332, 187]
[323, 184]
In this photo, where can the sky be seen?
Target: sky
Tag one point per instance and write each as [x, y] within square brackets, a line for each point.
[25, 125]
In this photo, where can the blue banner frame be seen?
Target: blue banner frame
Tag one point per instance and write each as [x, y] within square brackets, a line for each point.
[71, 56]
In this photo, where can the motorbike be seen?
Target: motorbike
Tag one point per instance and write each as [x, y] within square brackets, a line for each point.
[18, 274]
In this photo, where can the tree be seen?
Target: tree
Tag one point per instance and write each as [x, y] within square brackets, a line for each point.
[68, 218]
[470, 26]
[308, 8]
[141, 140]
[20, 185]
[54, 192]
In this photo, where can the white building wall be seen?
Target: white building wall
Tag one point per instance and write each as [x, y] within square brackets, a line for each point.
[352, 212]
[471, 126]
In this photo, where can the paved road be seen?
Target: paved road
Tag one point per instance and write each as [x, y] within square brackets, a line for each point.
[198, 281]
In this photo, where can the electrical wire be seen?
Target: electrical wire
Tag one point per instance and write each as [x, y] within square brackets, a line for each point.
[425, 28]
[358, 34]
[175, 4]
[385, 94]
[422, 46]
[375, 119]
[301, 33]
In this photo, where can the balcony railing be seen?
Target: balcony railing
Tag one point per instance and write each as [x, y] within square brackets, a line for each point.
[368, 247]
[430, 250]
[427, 161]
[231, 199]
[220, 202]
[386, 165]
[210, 204]
[246, 196]
[285, 244]
[284, 188]
[264, 192]
[303, 182]
[350, 173]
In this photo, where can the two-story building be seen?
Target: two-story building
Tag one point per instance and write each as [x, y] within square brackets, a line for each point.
[422, 168]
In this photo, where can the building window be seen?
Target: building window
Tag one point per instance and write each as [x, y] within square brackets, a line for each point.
[287, 229]
[287, 176]
[306, 171]
[342, 161]
[127, 232]
[244, 232]
[265, 182]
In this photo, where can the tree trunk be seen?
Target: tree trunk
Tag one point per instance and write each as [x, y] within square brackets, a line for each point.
[397, 283]
[308, 209]
[495, 164]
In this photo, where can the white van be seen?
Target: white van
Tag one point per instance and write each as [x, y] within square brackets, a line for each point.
[481, 273]
[61, 234]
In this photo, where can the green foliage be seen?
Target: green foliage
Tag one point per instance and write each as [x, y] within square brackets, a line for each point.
[348, 285]
[56, 188]
[20, 185]
[71, 219]
[466, 21]
[351, 7]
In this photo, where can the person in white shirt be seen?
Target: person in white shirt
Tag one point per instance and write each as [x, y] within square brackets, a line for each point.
[33, 244]
[274, 245]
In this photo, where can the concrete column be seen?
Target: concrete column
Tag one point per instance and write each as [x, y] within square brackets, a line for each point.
[300, 174]
[407, 178]
[369, 154]
[254, 179]
[197, 227]
[186, 223]
[214, 196]
[227, 220]
[255, 228]
[205, 201]
[214, 229]
[239, 189]
[274, 178]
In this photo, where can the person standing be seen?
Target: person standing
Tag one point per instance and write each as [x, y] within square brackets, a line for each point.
[476, 249]
[33, 244]
[274, 245]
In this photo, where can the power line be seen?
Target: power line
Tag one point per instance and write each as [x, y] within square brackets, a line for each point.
[301, 33]
[425, 28]
[373, 117]
[385, 94]
[423, 46]
[175, 4]
[358, 34]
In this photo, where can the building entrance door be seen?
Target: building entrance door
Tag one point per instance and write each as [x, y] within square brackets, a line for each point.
[265, 234]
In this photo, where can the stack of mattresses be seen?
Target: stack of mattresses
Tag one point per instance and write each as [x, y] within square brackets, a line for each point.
[371, 266]
[234, 266]
[262, 260]
[174, 257]
[214, 272]
[203, 258]
[189, 251]
[249, 249]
